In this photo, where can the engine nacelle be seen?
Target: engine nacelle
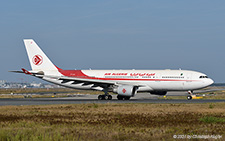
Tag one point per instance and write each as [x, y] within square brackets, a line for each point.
[125, 90]
[159, 92]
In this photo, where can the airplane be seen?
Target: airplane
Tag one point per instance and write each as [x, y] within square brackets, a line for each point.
[125, 83]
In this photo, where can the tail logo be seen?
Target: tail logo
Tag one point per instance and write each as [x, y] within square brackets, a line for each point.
[37, 60]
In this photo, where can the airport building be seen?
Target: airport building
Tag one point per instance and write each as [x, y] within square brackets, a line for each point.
[6, 85]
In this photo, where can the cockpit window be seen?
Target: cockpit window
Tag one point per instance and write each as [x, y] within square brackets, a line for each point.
[203, 77]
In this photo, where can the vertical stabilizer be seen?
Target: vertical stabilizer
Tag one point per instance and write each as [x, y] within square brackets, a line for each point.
[38, 60]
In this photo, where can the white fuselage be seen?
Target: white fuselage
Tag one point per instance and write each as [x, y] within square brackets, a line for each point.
[148, 80]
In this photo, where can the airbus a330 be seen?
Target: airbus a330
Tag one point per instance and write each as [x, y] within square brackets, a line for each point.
[125, 83]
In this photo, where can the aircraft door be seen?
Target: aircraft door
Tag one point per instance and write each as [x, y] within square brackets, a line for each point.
[187, 83]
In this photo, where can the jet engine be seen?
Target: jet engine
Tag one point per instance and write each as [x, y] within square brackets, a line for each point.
[158, 92]
[125, 90]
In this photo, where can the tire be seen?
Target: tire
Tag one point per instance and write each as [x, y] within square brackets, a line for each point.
[189, 97]
[109, 97]
[100, 97]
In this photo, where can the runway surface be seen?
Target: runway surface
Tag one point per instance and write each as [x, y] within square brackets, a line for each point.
[79, 99]
[49, 101]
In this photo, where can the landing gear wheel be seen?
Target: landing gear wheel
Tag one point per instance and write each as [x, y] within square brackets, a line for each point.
[104, 97]
[126, 98]
[189, 97]
[109, 97]
[101, 97]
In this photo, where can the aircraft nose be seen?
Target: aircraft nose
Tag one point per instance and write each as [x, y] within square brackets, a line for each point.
[210, 81]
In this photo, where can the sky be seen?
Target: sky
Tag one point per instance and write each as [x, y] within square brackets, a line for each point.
[115, 34]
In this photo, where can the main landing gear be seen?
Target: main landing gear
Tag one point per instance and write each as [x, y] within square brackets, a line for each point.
[105, 97]
[109, 97]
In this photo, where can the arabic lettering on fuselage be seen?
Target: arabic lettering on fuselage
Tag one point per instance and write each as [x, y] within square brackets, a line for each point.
[129, 74]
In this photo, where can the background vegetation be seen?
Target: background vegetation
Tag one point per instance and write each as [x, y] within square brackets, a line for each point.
[111, 121]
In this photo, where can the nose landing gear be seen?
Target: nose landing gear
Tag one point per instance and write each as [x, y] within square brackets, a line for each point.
[189, 97]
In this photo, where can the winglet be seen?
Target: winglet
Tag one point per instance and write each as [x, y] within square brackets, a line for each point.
[26, 71]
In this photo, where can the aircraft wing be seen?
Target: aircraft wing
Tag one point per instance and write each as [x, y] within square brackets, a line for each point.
[78, 80]
[96, 82]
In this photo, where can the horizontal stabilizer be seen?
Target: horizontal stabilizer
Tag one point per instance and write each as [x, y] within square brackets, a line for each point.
[29, 72]
[26, 71]
[17, 71]
[23, 71]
